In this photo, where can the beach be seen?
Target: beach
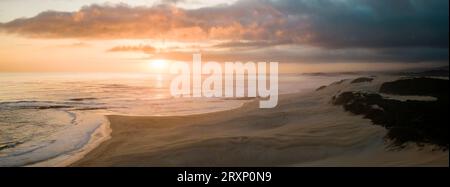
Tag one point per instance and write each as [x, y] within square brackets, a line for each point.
[130, 120]
[305, 129]
[225, 83]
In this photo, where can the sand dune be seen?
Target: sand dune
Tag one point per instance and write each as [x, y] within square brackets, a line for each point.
[303, 130]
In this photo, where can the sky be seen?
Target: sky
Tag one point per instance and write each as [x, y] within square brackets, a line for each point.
[310, 36]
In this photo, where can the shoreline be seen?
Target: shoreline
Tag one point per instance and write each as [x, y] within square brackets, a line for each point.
[101, 134]
[105, 131]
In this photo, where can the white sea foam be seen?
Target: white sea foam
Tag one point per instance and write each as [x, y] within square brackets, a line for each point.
[89, 141]
[57, 146]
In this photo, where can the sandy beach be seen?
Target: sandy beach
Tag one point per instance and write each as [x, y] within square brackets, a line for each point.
[303, 130]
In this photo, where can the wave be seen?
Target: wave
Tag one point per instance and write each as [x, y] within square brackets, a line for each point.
[77, 132]
[83, 99]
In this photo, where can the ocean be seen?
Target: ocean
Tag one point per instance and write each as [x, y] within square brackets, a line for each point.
[53, 118]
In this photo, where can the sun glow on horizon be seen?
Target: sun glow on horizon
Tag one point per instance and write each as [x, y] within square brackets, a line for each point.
[158, 65]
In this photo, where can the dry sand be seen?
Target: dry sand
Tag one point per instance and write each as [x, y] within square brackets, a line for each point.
[303, 130]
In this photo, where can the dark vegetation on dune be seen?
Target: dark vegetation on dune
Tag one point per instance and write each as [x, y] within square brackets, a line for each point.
[416, 121]
[334, 83]
[417, 86]
[321, 88]
[339, 82]
[361, 79]
[437, 72]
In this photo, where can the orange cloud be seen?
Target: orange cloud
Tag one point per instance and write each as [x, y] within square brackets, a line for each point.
[140, 48]
[238, 21]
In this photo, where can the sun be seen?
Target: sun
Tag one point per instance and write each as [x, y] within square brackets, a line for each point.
[158, 64]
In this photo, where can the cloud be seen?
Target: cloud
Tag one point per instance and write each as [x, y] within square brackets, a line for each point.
[371, 24]
[139, 48]
[390, 29]
[72, 45]
[258, 44]
[238, 21]
[172, 1]
[325, 23]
